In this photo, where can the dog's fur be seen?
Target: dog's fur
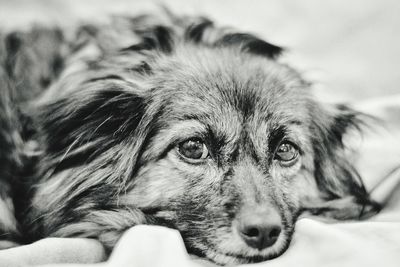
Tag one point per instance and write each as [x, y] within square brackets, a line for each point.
[91, 122]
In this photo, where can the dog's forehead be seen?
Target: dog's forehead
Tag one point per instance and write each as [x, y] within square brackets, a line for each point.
[229, 87]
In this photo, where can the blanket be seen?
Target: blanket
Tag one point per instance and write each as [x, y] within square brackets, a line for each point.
[349, 52]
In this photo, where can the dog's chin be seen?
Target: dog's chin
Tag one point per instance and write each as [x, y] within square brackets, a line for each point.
[229, 259]
[223, 256]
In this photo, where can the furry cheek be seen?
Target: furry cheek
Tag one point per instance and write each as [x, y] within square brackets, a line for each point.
[165, 181]
[298, 180]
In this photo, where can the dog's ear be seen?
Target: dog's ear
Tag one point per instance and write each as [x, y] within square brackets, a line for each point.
[91, 141]
[90, 122]
[343, 193]
[203, 30]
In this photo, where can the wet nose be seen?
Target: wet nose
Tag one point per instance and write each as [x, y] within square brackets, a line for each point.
[260, 231]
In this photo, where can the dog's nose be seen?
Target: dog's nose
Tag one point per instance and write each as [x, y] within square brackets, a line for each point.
[260, 231]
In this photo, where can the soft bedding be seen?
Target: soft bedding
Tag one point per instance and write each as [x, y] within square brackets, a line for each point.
[316, 242]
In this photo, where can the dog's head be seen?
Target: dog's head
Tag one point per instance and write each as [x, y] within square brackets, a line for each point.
[214, 138]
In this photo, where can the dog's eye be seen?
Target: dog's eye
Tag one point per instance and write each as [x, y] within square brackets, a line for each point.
[286, 152]
[193, 149]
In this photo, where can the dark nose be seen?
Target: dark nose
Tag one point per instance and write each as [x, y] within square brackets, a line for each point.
[259, 230]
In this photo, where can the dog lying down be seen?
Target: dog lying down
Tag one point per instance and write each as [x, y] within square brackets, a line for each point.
[167, 121]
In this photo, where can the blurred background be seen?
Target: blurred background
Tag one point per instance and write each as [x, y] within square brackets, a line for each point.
[350, 50]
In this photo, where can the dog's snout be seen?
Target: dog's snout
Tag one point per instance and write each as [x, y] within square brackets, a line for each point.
[260, 230]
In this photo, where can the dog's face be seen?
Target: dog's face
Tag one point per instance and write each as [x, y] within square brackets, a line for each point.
[230, 154]
[226, 146]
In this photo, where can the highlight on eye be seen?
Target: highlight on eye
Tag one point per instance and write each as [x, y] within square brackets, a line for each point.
[286, 153]
[193, 149]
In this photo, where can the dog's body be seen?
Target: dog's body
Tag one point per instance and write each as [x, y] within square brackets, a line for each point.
[180, 124]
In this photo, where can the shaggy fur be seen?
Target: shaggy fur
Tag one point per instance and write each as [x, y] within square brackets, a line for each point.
[93, 120]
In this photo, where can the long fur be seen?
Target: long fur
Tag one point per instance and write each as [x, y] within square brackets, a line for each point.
[90, 120]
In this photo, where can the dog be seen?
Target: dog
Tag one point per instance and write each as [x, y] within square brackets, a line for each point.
[171, 121]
